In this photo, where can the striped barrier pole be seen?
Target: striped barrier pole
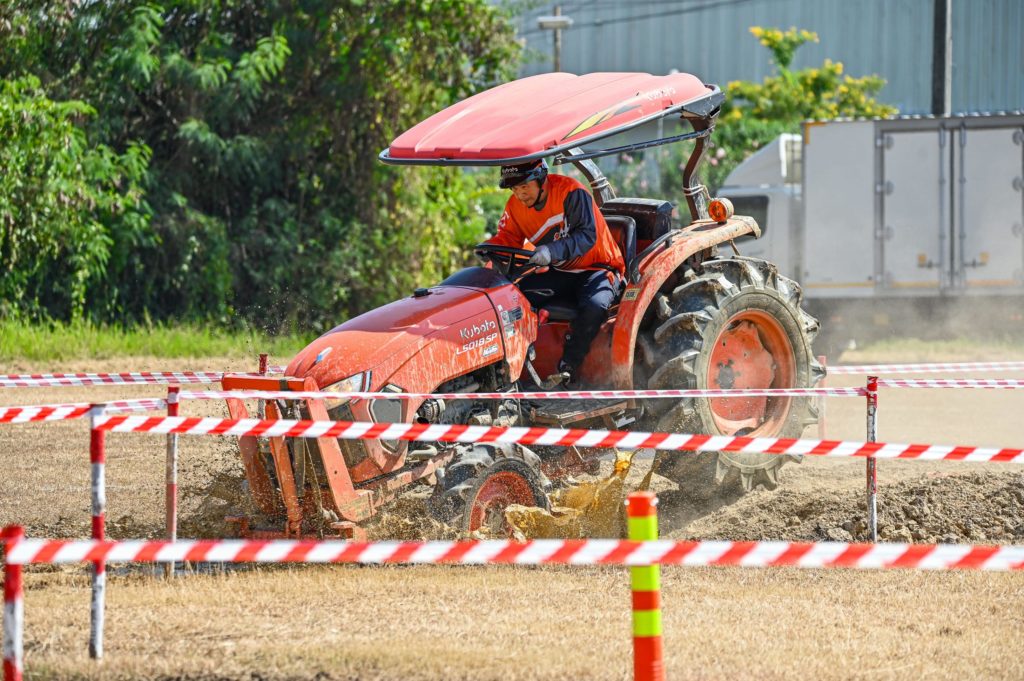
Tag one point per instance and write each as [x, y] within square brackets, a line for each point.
[648, 654]
[171, 475]
[97, 457]
[872, 470]
[261, 405]
[14, 609]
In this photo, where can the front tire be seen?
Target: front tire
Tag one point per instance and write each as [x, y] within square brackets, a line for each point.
[502, 484]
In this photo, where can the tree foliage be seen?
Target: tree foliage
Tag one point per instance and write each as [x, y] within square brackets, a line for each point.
[754, 114]
[263, 198]
[62, 202]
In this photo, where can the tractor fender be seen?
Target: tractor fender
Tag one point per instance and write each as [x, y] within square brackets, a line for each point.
[655, 269]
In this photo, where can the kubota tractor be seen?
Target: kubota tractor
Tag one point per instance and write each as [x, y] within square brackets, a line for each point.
[688, 317]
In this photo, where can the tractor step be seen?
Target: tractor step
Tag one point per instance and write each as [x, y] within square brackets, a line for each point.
[561, 413]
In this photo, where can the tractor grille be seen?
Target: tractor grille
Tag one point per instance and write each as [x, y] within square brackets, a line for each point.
[352, 451]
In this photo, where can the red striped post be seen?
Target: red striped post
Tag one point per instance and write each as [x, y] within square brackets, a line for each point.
[171, 475]
[98, 458]
[261, 409]
[872, 471]
[648, 655]
[14, 612]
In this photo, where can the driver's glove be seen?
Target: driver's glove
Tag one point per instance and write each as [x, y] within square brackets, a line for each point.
[541, 257]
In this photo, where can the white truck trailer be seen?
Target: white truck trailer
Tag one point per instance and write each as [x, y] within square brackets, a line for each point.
[906, 225]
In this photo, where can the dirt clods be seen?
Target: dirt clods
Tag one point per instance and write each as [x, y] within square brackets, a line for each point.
[984, 507]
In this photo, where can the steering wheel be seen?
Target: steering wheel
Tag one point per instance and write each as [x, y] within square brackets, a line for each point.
[512, 262]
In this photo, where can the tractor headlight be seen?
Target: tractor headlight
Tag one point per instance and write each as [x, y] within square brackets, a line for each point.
[355, 383]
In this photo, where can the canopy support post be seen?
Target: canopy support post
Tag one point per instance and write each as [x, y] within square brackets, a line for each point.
[599, 184]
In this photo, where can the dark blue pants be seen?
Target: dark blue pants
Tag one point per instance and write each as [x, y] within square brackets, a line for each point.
[590, 292]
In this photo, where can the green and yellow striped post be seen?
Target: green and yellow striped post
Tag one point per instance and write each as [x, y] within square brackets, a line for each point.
[648, 656]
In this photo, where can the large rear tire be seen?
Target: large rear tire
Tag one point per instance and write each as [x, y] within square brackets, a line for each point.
[737, 323]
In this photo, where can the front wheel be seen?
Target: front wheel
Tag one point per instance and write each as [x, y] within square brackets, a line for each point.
[737, 324]
[500, 485]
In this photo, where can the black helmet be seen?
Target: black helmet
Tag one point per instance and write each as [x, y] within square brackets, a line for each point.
[524, 172]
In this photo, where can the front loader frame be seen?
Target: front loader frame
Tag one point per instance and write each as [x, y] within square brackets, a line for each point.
[347, 502]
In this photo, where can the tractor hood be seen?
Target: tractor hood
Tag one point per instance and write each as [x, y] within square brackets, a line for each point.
[388, 335]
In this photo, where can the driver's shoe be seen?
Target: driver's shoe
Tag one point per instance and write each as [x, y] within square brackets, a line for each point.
[555, 380]
[563, 377]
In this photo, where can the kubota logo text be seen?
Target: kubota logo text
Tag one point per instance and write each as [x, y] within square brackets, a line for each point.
[477, 329]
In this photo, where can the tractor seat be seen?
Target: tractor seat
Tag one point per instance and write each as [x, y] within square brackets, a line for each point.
[559, 311]
[623, 229]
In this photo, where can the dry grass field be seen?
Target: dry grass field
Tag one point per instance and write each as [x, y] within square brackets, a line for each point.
[518, 623]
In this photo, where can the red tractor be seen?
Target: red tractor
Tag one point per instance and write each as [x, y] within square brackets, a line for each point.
[688, 317]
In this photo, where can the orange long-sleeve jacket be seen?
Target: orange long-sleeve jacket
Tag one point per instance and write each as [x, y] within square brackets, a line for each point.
[569, 224]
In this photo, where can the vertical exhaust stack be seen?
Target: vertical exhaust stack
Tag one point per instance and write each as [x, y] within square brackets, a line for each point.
[697, 197]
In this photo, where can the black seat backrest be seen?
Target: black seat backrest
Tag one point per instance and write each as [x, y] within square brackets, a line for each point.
[653, 216]
[623, 229]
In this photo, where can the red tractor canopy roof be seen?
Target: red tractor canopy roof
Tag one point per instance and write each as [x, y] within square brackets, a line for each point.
[542, 115]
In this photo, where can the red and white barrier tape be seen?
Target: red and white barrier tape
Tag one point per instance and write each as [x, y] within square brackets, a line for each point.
[43, 412]
[183, 377]
[988, 383]
[130, 378]
[542, 395]
[355, 430]
[61, 412]
[141, 404]
[536, 552]
[934, 368]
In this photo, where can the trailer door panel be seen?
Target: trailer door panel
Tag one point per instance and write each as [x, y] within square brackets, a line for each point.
[990, 244]
[838, 208]
[915, 221]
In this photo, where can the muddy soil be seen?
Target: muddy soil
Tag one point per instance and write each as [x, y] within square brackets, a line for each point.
[981, 507]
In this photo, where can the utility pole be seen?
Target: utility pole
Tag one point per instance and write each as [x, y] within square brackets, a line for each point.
[558, 42]
[942, 59]
[555, 23]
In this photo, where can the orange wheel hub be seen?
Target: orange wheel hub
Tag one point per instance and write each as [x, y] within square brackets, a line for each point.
[499, 491]
[752, 352]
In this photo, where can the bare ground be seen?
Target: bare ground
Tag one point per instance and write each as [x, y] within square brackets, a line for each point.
[505, 623]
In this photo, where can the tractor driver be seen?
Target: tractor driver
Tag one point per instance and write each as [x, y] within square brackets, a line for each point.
[559, 218]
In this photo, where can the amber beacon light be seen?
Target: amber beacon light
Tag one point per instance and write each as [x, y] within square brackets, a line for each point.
[720, 210]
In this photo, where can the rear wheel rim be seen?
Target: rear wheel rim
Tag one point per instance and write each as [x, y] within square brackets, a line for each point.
[499, 491]
[753, 351]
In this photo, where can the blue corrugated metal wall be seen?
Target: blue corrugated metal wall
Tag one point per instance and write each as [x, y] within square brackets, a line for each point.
[710, 38]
